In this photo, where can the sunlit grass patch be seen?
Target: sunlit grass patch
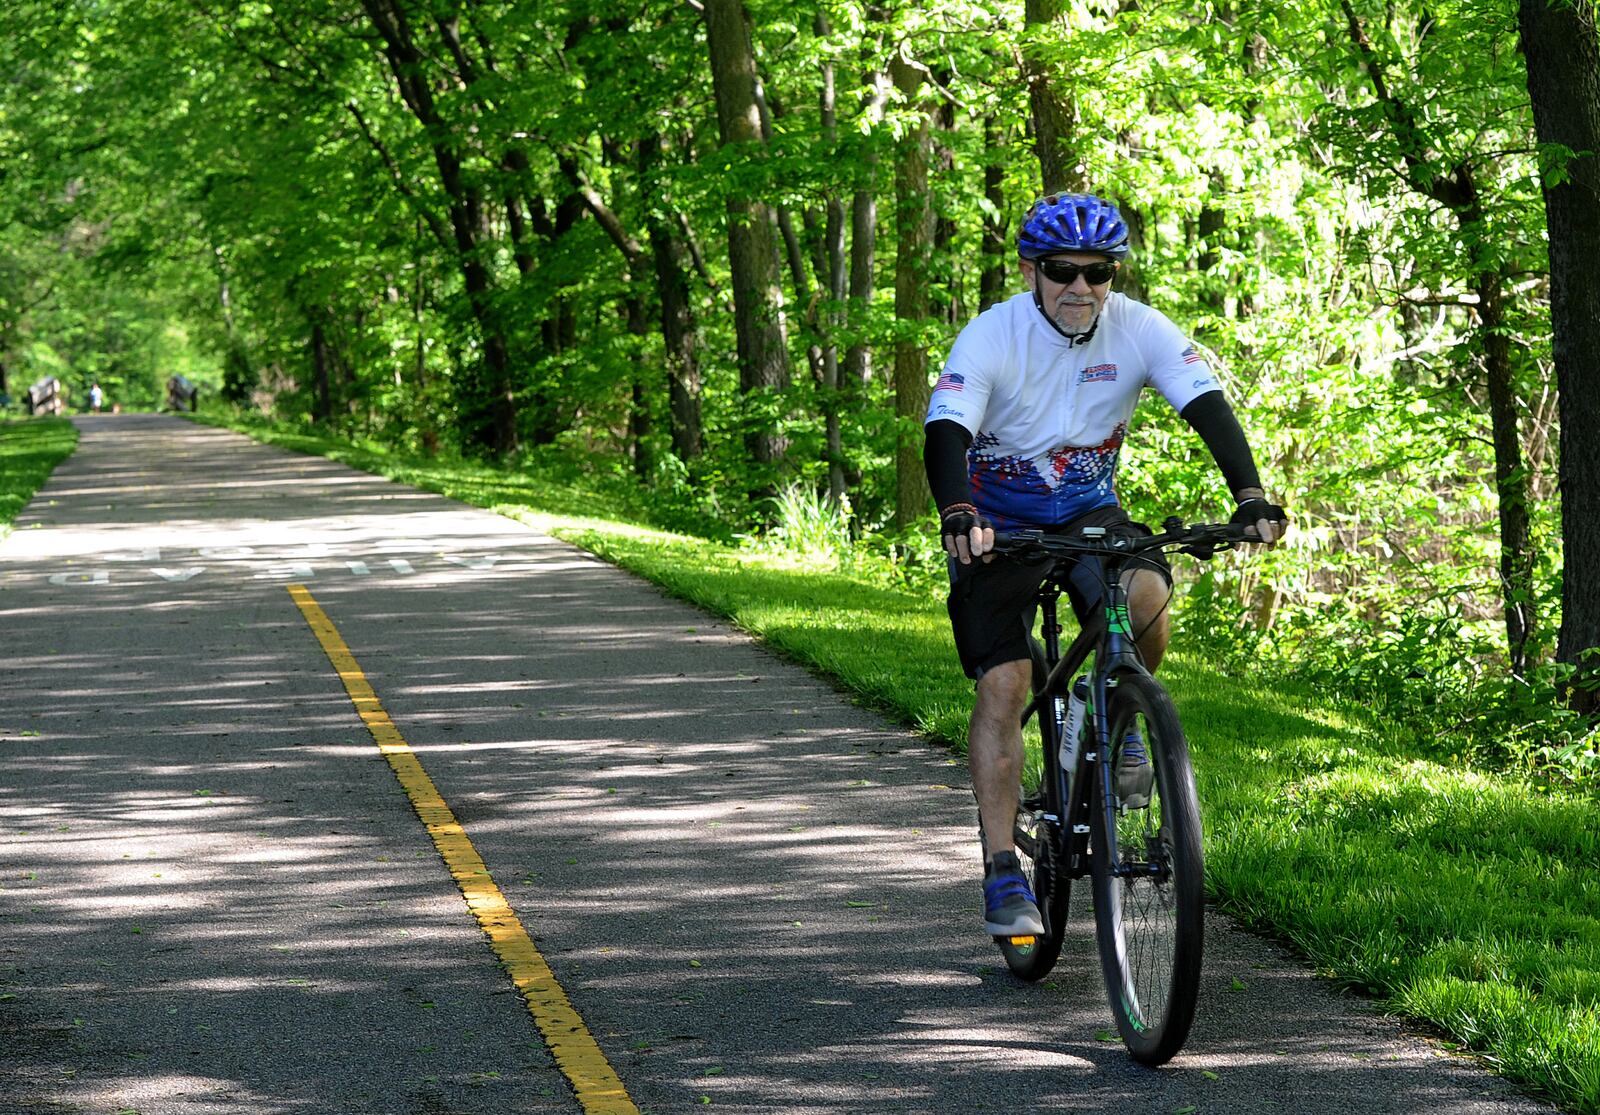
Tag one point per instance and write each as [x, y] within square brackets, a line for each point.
[29, 451]
[1551, 1046]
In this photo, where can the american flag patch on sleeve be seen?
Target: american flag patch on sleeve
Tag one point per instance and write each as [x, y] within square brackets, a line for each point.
[950, 381]
[1190, 356]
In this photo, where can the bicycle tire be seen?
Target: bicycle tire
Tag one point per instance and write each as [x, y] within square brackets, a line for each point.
[1037, 841]
[1150, 923]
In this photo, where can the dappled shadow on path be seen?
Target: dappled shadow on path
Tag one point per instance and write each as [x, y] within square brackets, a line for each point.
[217, 900]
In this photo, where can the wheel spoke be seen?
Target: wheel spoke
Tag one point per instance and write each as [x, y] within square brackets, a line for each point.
[1149, 903]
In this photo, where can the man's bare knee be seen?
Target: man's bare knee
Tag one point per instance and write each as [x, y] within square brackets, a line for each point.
[1148, 597]
[1005, 686]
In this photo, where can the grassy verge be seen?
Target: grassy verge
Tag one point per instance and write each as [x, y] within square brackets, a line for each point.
[29, 450]
[1461, 900]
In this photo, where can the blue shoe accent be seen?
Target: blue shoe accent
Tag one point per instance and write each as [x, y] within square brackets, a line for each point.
[1009, 908]
[1135, 775]
[1133, 752]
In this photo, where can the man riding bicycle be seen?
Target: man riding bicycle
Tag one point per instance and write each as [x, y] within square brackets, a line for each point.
[1023, 431]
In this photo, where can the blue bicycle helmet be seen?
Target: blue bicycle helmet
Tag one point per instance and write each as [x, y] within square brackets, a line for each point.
[1072, 223]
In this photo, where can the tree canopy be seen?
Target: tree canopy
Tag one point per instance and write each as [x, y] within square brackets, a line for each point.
[723, 245]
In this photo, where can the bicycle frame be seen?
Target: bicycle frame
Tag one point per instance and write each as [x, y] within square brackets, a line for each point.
[1109, 638]
[1143, 853]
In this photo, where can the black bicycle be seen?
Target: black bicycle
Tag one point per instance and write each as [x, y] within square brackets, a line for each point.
[1133, 826]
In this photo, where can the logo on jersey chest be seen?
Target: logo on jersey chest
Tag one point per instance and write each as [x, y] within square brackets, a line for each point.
[1098, 373]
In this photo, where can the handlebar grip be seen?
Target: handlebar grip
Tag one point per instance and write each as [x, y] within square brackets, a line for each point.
[1008, 539]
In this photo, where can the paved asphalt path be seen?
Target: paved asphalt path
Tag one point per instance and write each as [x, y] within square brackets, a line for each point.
[214, 897]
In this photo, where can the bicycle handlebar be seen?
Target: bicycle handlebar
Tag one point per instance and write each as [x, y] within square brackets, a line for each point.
[1201, 540]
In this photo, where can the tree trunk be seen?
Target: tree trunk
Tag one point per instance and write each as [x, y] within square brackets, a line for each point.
[680, 332]
[1130, 279]
[320, 379]
[1562, 49]
[496, 412]
[792, 253]
[913, 242]
[763, 346]
[633, 258]
[238, 377]
[832, 271]
[805, 299]
[639, 423]
[945, 289]
[996, 242]
[1510, 473]
[517, 224]
[1213, 294]
[1055, 117]
[420, 347]
[1457, 190]
[548, 413]
[864, 232]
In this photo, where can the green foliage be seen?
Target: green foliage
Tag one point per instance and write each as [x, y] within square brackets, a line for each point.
[807, 525]
[221, 214]
[257, 201]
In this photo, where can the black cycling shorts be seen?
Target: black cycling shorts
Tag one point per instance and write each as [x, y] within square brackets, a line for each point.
[992, 604]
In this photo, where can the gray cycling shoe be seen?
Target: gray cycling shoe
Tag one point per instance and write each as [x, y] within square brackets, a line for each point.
[1135, 775]
[1009, 909]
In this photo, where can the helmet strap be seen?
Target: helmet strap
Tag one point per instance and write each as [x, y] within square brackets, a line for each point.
[1072, 338]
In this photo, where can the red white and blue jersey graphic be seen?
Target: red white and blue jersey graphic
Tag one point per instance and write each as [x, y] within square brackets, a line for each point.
[1047, 417]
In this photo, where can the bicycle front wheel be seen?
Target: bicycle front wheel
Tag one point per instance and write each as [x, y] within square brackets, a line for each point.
[1149, 875]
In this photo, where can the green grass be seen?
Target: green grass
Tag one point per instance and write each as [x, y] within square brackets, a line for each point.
[29, 450]
[1466, 901]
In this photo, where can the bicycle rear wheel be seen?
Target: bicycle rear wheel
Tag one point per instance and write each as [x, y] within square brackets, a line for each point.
[1032, 958]
[1150, 898]
[1037, 840]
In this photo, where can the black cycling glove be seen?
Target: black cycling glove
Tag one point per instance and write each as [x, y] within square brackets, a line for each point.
[957, 521]
[1251, 511]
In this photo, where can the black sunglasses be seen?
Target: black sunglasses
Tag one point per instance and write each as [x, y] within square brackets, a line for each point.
[1060, 271]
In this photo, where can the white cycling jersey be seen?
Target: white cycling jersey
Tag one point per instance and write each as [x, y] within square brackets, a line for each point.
[1047, 416]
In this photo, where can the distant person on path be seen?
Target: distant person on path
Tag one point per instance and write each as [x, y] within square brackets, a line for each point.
[1023, 431]
[97, 398]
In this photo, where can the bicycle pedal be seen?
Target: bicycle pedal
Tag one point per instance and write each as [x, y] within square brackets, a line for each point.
[1023, 942]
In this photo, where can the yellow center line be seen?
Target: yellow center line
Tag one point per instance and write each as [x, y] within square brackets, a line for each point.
[576, 1052]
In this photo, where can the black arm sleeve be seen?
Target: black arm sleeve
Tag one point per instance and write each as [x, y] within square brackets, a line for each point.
[944, 455]
[1213, 419]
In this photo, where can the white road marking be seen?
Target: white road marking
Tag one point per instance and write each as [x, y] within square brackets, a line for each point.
[98, 577]
[269, 570]
[299, 571]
